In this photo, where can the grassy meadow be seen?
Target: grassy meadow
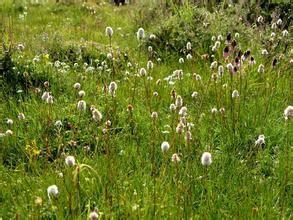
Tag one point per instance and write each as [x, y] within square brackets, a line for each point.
[145, 111]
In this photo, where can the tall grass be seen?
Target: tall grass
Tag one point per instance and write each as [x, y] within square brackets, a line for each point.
[120, 170]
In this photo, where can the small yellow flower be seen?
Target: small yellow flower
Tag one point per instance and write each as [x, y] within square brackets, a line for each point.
[46, 56]
[38, 201]
[36, 152]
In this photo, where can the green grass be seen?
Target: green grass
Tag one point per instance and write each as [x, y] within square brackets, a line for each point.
[121, 169]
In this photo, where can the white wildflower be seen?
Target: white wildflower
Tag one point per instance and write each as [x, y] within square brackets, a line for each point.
[214, 65]
[260, 19]
[45, 96]
[181, 60]
[260, 140]
[81, 93]
[150, 65]
[261, 68]
[285, 33]
[8, 133]
[235, 94]
[77, 86]
[175, 158]
[140, 34]
[81, 105]
[214, 110]
[179, 101]
[154, 115]
[165, 146]
[188, 46]
[194, 95]
[288, 112]
[206, 159]
[52, 191]
[109, 32]
[189, 57]
[50, 100]
[172, 107]
[112, 88]
[21, 116]
[9, 121]
[183, 111]
[70, 161]
[220, 71]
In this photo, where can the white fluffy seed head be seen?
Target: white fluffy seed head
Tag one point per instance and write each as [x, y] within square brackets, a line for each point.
[194, 95]
[77, 86]
[206, 159]
[288, 112]
[214, 110]
[175, 158]
[81, 93]
[214, 65]
[45, 96]
[235, 94]
[183, 111]
[165, 146]
[274, 26]
[220, 37]
[58, 124]
[9, 121]
[285, 33]
[109, 56]
[197, 77]
[154, 115]
[260, 140]
[81, 105]
[172, 107]
[150, 49]
[220, 70]
[217, 44]
[109, 31]
[152, 37]
[96, 115]
[260, 19]
[70, 161]
[222, 110]
[140, 34]
[230, 67]
[94, 215]
[46, 84]
[188, 136]
[214, 48]
[8, 133]
[264, 52]
[21, 116]
[189, 57]
[180, 128]
[108, 123]
[188, 46]
[261, 68]
[179, 101]
[112, 88]
[52, 191]
[50, 99]
[142, 72]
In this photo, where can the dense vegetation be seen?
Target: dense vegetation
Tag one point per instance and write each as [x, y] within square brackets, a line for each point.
[145, 111]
